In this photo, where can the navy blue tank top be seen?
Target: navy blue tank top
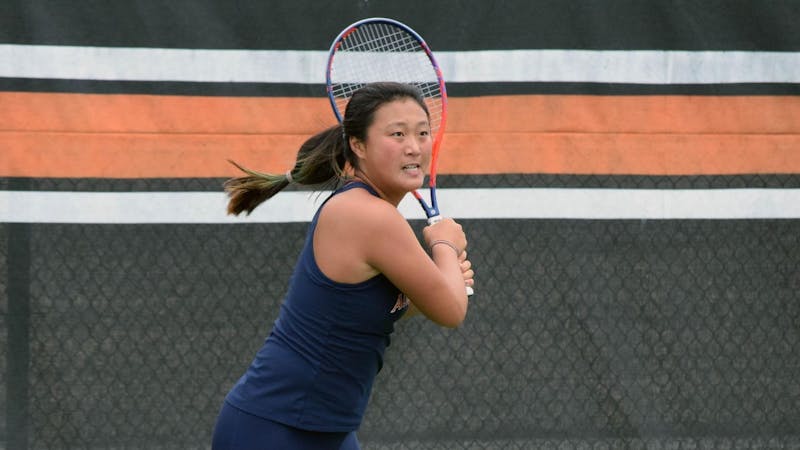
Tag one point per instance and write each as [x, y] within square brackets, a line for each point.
[316, 368]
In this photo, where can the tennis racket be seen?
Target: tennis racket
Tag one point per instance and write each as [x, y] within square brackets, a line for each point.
[380, 49]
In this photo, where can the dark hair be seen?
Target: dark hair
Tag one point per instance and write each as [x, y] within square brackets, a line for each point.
[322, 160]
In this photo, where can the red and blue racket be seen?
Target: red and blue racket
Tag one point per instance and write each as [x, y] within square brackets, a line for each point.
[379, 49]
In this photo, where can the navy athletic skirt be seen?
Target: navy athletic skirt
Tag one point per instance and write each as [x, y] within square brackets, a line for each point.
[239, 430]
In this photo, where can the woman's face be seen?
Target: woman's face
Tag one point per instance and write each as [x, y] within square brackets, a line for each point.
[397, 151]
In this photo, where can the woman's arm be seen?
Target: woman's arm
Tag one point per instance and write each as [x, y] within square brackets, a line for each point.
[359, 235]
[435, 283]
[466, 272]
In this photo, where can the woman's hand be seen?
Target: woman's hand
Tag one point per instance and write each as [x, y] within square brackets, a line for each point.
[448, 233]
[466, 270]
[447, 230]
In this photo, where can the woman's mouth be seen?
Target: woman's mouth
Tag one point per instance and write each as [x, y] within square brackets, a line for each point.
[411, 168]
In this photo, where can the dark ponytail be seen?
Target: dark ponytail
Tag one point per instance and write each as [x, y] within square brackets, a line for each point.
[321, 162]
[323, 159]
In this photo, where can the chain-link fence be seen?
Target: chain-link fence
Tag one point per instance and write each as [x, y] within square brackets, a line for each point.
[588, 334]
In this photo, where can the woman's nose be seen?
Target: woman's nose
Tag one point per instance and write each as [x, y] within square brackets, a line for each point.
[414, 147]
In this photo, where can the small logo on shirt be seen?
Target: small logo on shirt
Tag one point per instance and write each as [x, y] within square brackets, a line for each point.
[401, 303]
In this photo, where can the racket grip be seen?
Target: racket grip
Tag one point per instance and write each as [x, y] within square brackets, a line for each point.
[470, 291]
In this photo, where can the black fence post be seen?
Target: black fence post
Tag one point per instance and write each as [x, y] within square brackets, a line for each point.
[18, 355]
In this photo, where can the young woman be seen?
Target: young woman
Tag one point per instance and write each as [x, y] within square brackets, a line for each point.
[360, 270]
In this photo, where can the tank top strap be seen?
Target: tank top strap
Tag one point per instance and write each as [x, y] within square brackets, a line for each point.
[358, 184]
[352, 184]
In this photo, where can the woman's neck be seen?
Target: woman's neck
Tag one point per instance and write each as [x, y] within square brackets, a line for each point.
[362, 177]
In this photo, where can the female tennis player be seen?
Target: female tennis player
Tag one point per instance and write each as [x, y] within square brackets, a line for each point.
[361, 269]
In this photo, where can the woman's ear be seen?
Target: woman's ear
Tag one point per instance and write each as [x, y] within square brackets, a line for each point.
[357, 146]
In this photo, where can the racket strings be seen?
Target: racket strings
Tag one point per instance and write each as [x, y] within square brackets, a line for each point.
[383, 52]
[381, 38]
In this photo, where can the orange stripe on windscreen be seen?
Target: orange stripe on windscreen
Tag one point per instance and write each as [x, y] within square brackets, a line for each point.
[142, 136]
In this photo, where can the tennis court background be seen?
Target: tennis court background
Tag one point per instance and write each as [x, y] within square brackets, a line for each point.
[634, 169]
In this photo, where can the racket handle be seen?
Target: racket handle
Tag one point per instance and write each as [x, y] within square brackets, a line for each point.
[470, 291]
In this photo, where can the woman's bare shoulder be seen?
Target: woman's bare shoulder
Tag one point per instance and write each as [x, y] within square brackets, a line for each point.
[357, 206]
